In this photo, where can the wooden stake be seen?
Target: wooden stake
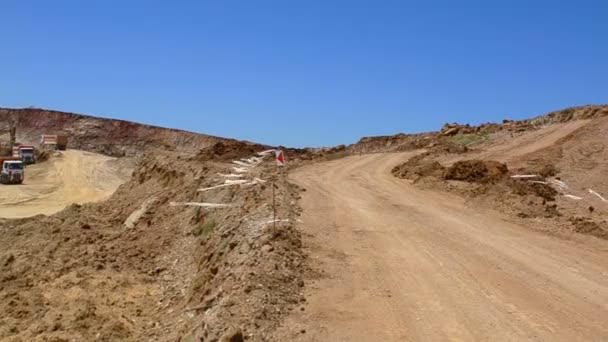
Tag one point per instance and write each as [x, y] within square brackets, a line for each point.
[274, 208]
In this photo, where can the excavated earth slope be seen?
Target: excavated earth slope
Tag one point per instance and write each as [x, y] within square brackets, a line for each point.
[567, 150]
[107, 136]
[145, 265]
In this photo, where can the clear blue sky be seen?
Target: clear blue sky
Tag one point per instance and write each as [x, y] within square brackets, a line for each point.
[309, 72]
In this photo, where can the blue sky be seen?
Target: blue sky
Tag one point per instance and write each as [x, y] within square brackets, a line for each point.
[304, 73]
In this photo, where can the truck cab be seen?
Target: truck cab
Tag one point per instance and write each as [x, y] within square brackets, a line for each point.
[12, 172]
[27, 154]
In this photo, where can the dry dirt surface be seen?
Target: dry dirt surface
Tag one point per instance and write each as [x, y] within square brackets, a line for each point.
[397, 263]
[70, 176]
[149, 264]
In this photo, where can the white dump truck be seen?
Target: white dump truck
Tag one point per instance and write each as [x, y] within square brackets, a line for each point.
[12, 170]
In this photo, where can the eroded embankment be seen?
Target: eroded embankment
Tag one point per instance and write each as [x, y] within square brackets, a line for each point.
[145, 265]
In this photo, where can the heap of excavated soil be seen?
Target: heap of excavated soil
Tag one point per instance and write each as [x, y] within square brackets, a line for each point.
[570, 169]
[486, 180]
[419, 167]
[142, 267]
[473, 171]
[476, 171]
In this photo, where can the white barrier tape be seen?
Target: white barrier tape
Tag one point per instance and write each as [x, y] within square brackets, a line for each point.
[240, 163]
[216, 187]
[255, 182]
[574, 197]
[231, 175]
[266, 153]
[539, 182]
[598, 195]
[559, 183]
[252, 160]
[240, 169]
[199, 204]
[237, 181]
[277, 220]
[525, 176]
[229, 182]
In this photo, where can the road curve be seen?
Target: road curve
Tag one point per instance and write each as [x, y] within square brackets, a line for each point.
[404, 264]
[71, 176]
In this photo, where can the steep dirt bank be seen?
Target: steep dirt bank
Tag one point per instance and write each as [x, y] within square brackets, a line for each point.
[107, 136]
[568, 159]
[145, 266]
[454, 136]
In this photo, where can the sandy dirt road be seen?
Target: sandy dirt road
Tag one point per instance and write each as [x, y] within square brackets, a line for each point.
[71, 177]
[402, 264]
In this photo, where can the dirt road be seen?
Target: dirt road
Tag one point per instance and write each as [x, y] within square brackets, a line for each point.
[70, 177]
[403, 264]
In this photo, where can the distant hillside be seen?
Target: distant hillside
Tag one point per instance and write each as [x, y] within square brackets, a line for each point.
[108, 136]
[406, 142]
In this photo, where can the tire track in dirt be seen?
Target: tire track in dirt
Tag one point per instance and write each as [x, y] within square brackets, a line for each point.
[71, 177]
[421, 265]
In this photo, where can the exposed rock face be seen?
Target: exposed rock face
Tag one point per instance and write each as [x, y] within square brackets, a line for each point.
[112, 137]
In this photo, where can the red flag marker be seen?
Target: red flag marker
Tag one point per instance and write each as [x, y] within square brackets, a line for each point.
[280, 157]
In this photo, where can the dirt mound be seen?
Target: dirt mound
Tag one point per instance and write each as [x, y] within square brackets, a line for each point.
[540, 193]
[486, 181]
[472, 171]
[543, 170]
[148, 265]
[524, 188]
[476, 171]
[229, 150]
[586, 225]
[108, 136]
[418, 167]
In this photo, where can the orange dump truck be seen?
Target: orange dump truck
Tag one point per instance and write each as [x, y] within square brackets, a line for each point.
[54, 142]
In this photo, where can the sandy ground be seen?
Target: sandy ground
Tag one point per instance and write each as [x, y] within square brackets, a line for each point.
[401, 264]
[70, 177]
